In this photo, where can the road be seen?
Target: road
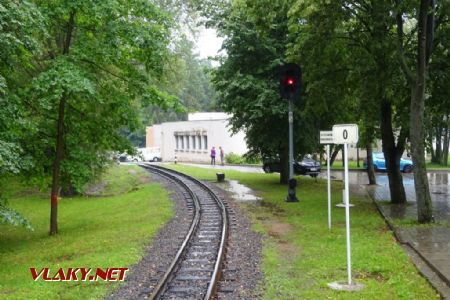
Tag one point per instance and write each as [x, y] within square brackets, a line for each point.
[439, 188]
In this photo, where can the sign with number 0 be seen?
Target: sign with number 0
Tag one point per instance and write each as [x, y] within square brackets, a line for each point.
[345, 134]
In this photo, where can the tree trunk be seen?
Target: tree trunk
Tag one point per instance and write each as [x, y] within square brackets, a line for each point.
[284, 166]
[369, 150]
[59, 138]
[336, 150]
[444, 160]
[417, 82]
[357, 156]
[424, 205]
[438, 152]
[392, 155]
[57, 167]
[430, 143]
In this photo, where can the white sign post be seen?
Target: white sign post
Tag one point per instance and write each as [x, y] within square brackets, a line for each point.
[346, 134]
[326, 137]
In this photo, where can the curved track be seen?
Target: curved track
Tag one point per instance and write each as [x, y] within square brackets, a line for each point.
[195, 269]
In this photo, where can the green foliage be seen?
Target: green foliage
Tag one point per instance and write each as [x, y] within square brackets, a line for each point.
[233, 158]
[19, 22]
[11, 216]
[186, 76]
[102, 58]
[256, 36]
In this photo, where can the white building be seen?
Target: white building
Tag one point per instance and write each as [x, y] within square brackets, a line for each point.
[192, 140]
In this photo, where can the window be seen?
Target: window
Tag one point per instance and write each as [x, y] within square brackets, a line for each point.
[187, 141]
[205, 142]
[177, 144]
[182, 141]
[199, 142]
[193, 142]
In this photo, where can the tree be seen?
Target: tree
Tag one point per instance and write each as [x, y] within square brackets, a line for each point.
[188, 78]
[256, 35]
[437, 112]
[19, 23]
[426, 28]
[348, 50]
[96, 65]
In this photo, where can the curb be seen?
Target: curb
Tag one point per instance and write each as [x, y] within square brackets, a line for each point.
[412, 247]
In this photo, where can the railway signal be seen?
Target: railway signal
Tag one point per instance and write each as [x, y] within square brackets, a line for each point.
[290, 87]
[290, 76]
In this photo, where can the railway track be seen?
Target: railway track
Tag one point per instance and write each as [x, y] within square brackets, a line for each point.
[196, 268]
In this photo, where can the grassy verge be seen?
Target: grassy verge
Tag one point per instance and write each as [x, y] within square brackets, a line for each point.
[300, 254]
[435, 166]
[93, 232]
[351, 164]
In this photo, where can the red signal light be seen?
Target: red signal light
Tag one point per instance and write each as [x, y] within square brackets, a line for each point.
[290, 77]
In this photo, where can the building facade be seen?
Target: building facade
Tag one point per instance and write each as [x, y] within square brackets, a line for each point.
[192, 140]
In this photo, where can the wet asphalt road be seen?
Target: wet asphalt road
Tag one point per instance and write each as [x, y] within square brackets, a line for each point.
[439, 188]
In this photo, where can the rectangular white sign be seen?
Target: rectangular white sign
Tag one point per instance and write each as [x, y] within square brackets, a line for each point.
[326, 137]
[345, 134]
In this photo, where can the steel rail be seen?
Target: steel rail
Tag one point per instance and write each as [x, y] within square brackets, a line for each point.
[215, 277]
[158, 289]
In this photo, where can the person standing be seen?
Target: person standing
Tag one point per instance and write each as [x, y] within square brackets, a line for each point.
[222, 154]
[213, 156]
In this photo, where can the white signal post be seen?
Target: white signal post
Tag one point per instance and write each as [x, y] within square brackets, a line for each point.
[326, 137]
[346, 134]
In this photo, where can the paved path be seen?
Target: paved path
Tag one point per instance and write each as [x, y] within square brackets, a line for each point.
[248, 169]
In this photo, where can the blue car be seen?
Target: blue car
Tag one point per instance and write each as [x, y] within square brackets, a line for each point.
[379, 164]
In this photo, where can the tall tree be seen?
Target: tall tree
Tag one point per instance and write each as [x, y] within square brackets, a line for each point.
[95, 65]
[362, 54]
[19, 24]
[256, 35]
[426, 12]
[437, 108]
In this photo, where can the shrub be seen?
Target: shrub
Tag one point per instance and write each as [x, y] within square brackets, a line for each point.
[236, 159]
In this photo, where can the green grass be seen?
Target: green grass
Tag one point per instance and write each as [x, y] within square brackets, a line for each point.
[93, 232]
[435, 166]
[337, 165]
[119, 179]
[300, 254]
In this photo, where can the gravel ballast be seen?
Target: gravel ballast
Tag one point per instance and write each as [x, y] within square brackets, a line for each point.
[241, 274]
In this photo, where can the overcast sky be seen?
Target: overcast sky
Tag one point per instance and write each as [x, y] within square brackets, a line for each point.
[208, 43]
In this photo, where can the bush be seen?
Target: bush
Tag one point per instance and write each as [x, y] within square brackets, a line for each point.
[232, 158]
[236, 159]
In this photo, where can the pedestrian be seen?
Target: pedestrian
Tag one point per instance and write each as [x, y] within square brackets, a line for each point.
[213, 156]
[222, 154]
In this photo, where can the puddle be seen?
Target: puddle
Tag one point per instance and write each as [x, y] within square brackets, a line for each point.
[239, 191]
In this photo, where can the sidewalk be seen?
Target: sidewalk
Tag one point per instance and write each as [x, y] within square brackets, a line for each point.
[428, 246]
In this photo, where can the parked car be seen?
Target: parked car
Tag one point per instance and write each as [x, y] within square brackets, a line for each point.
[125, 157]
[379, 163]
[150, 153]
[142, 154]
[307, 166]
